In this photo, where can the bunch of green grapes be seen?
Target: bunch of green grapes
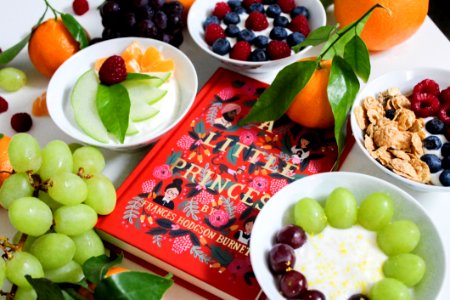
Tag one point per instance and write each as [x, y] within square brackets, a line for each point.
[53, 198]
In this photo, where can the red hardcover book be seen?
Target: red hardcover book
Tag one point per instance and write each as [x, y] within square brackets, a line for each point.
[189, 206]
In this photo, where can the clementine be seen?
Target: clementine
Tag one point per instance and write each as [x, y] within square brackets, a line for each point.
[5, 165]
[385, 27]
[50, 45]
[115, 270]
[310, 106]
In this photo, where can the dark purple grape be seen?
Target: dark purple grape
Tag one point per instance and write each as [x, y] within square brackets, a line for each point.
[160, 19]
[281, 257]
[174, 22]
[313, 295]
[177, 39]
[95, 41]
[109, 33]
[128, 20]
[146, 28]
[359, 297]
[139, 3]
[292, 284]
[174, 7]
[292, 235]
[110, 9]
[145, 12]
[21, 122]
[156, 3]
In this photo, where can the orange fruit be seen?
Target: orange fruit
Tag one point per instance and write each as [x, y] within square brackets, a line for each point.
[310, 106]
[187, 5]
[5, 165]
[50, 45]
[385, 27]
[115, 270]
[40, 106]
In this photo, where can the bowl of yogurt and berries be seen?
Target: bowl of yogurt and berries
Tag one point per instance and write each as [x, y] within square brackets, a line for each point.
[254, 35]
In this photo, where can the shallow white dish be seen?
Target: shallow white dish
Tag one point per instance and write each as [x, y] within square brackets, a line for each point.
[201, 9]
[405, 81]
[279, 211]
[62, 83]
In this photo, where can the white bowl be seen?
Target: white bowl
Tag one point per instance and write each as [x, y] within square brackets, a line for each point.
[201, 9]
[405, 81]
[62, 83]
[279, 211]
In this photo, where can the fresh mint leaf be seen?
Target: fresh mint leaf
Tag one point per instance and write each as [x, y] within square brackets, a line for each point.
[357, 56]
[139, 76]
[45, 289]
[277, 98]
[95, 268]
[316, 37]
[113, 106]
[75, 29]
[10, 53]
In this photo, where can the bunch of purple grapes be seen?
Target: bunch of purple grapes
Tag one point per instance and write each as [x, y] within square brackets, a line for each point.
[155, 19]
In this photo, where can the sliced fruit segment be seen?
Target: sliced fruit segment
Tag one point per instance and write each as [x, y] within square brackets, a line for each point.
[132, 129]
[139, 91]
[141, 111]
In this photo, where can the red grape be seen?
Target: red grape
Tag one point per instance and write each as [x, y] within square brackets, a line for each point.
[292, 284]
[281, 258]
[313, 295]
[292, 235]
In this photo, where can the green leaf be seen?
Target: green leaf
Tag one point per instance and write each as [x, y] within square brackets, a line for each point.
[95, 268]
[343, 85]
[45, 289]
[139, 76]
[9, 54]
[316, 37]
[75, 29]
[357, 56]
[113, 106]
[277, 98]
[132, 286]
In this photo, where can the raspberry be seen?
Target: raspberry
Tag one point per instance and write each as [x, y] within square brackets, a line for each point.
[221, 9]
[278, 49]
[444, 96]
[3, 104]
[425, 105]
[286, 5]
[185, 142]
[213, 32]
[21, 122]
[426, 86]
[181, 244]
[113, 70]
[80, 7]
[247, 3]
[300, 24]
[256, 21]
[444, 114]
[241, 50]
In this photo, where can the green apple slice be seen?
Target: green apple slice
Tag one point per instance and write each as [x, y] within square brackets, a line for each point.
[84, 107]
[132, 129]
[140, 91]
[141, 111]
[157, 81]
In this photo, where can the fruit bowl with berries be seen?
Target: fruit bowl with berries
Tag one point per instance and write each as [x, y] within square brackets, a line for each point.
[342, 235]
[401, 122]
[254, 36]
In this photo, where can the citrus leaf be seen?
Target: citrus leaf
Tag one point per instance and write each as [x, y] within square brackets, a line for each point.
[277, 98]
[95, 268]
[316, 37]
[357, 56]
[343, 85]
[45, 289]
[113, 106]
[75, 29]
[9, 54]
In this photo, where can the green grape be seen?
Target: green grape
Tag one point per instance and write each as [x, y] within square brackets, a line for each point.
[88, 158]
[88, 245]
[67, 188]
[398, 237]
[74, 146]
[30, 216]
[2, 271]
[28, 242]
[24, 153]
[21, 264]
[56, 158]
[25, 294]
[389, 289]
[341, 208]
[70, 272]
[12, 79]
[15, 186]
[75, 219]
[408, 268]
[45, 197]
[101, 194]
[53, 250]
[376, 211]
[309, 215]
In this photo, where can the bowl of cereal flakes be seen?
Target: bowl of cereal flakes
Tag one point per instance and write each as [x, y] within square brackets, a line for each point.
[401, 122]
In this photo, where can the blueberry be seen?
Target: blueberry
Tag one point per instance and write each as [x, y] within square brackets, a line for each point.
[221, 46]
[433, 162]
[278, 33]
[435, 126]
[300, 10]
[390, 114]
[432, 143]
[444, 178]
[445, 150]
[232, 30]
[234, 3]
[446, 163]
[295, 38]
[211, 20]
[239, 10]
[246, 35]
[281, 21]
[258, 55]
[273, 11]
[231, 18]
[261, 41]
[256, 7]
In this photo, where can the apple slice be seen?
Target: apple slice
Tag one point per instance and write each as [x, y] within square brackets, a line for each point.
[132, 129]
[141, 111]
[139, 90]
[157, 81]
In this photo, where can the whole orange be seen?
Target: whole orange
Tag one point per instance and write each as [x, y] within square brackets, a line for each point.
[5, 165]
[50, 45]
[385, 27]
[310, 106]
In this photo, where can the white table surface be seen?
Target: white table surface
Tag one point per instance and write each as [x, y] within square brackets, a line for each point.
[428, 47]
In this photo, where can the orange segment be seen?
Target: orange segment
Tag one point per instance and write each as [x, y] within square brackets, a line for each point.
[5, 165]
[159, 66]
[133, 51]
[133, 66]
[99, 62]
[40, 106]
[151, 55]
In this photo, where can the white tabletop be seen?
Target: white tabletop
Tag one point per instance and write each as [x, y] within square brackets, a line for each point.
[428, 47]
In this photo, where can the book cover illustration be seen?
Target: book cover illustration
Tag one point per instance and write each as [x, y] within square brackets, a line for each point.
[193, 200]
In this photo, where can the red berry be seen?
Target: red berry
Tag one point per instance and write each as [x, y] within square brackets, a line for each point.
[300, 24]
[247, 3]
[80, 7]
[221, 9]
[286, 5]
[278, 49]
[444, 114]
[241, 50]
[256, 21]
[425, 105]
[426, 86]
[3, 104]
[113, 70]
[21, 122]
[213, 32]
[444, 96]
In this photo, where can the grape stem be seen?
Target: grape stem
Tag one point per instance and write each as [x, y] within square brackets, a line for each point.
[8, 248]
